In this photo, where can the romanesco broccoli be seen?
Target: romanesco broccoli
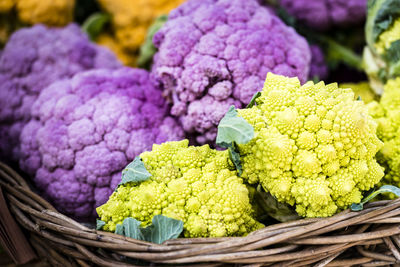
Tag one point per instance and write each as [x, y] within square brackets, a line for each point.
[387, 114]
[362, 90]
[314, 146]
[196, 185]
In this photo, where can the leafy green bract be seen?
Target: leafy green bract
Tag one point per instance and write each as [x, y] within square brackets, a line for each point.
[233, 130]
[162, 228]
[94, 25]
[135, 172]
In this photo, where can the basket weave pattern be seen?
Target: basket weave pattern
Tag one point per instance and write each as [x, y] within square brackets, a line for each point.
[369, 238]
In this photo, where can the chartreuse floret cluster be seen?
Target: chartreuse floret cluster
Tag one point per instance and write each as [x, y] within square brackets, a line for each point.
[387, 114]
[196, 185]
[314, 146]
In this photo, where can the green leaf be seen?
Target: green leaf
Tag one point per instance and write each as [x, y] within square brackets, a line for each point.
[253, 99]
[94, 25]
[100, 224]
[135, 172]
[147, 49]
[233, 129]
[119, 229]
[393, 57]
[384, 189]
[162, 229]
[381, 14]
[132, 228]
[277, 210]
[235, 158]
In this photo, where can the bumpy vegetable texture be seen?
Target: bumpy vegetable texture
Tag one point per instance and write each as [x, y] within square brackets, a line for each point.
[216, 53]
[131, 20]
[314, 146]
[382, 31]
[196, 185]
[325, 14]
[386, 113]
[50, 12]
[362, 91]
[86, 129]
[34, 58]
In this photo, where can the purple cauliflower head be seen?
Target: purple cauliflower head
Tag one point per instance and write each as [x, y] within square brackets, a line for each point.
[86, 129]
[324, 14]
[216, 53]
[34, 58]
[318, 67]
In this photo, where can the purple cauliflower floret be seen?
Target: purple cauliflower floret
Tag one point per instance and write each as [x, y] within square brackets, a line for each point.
[324, 14]
[86, 129]
[217, 53]
[318, 67]
[34, 58]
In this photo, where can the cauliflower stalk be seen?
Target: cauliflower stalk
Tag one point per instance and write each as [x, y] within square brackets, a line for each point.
[196, 185]
[314, 146]
[387, 114]
[382, 31]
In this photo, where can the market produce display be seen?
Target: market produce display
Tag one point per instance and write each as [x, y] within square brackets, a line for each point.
[325, 14]
[32, 59]
[229, 124]
[382, 32]
[196, 185]
[213, 54]
[86, 129]
[130, 23]
[314, 146]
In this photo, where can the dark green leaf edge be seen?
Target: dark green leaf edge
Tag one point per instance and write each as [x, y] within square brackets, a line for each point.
[253, 100]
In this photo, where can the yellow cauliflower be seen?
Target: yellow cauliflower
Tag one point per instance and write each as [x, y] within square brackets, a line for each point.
[196, 185]
[131, 19]
[50, 12]
[314, 146]
[17, 13]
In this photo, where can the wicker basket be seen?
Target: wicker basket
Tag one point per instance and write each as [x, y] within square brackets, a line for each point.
[369, 238]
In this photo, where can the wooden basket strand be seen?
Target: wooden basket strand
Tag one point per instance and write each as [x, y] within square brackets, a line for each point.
[370, 237]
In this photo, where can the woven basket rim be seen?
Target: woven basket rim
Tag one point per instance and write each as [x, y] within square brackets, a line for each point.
[371, 235]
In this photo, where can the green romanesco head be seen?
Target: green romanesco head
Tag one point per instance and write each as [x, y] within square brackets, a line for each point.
[196, 185]
[314, 146]
[387, 115]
